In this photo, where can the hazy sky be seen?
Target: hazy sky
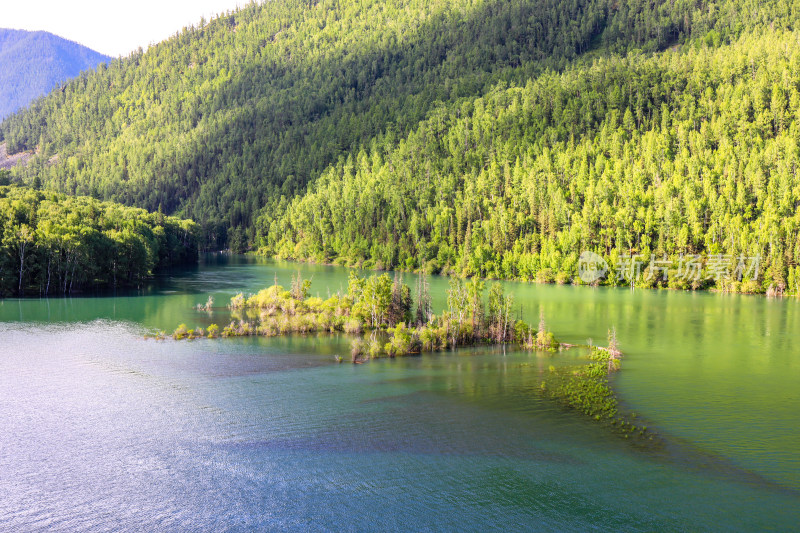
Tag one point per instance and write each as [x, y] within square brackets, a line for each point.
[111, 27]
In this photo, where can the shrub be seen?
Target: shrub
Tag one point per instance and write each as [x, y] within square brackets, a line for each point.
[544, 276]
[213, 331]
[750, 287]
[521, 332]
[544, 339]
[375, 349]
[313, 304]
[300, 287]
[427, 337]
[390, 349]
[357, 349]
[265, 297]
[402, 341]
[562, 278]
[208, 305]
[180, 332]
[238, 302]
[353, 326]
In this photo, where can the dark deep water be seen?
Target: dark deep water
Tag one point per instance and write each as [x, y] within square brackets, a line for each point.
[103, 429]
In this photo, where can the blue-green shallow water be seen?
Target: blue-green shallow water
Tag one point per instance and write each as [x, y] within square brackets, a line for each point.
[103, 429]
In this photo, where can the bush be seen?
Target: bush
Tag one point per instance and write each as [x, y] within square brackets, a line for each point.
[238, 302]
[357, 349]
[544, 276]
[353, 326]
[180, 332]
[265, 298]
[314, 304]
[268, 328]
[402, 341]
[562, 278]
[546, 341]
[375, 349]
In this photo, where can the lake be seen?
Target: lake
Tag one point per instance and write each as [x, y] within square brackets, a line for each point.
[106, 429]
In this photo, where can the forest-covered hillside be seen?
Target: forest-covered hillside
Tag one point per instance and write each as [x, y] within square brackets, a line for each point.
[34, 63]
[692, 152]
[476, 137]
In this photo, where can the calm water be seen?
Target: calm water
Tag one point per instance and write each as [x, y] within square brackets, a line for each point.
[103, 429]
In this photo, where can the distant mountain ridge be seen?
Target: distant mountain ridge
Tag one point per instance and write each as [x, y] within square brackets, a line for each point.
[32, 63]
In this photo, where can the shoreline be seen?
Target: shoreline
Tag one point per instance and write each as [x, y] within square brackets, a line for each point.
[568, 281]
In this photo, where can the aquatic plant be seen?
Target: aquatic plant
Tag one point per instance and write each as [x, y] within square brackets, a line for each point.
[357, 348]
[207, 306]
[586, 388]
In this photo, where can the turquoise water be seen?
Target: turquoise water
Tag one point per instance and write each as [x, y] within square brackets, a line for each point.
[105, 429]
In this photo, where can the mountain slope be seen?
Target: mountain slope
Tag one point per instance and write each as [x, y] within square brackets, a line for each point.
[683, 153]
[33, 63]
[223, 120]
[226, 118]
[232, 121]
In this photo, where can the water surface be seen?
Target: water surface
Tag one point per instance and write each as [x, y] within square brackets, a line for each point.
[103, 428]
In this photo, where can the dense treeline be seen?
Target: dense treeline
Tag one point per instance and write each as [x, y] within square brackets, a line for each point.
[34, 63]
[234, 117]
[55, 244]
[694, 151]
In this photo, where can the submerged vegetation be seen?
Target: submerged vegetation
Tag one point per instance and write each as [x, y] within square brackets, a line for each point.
[586, 389]
[379, 311]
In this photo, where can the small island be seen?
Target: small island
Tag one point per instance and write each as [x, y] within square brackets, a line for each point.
[380, 314]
